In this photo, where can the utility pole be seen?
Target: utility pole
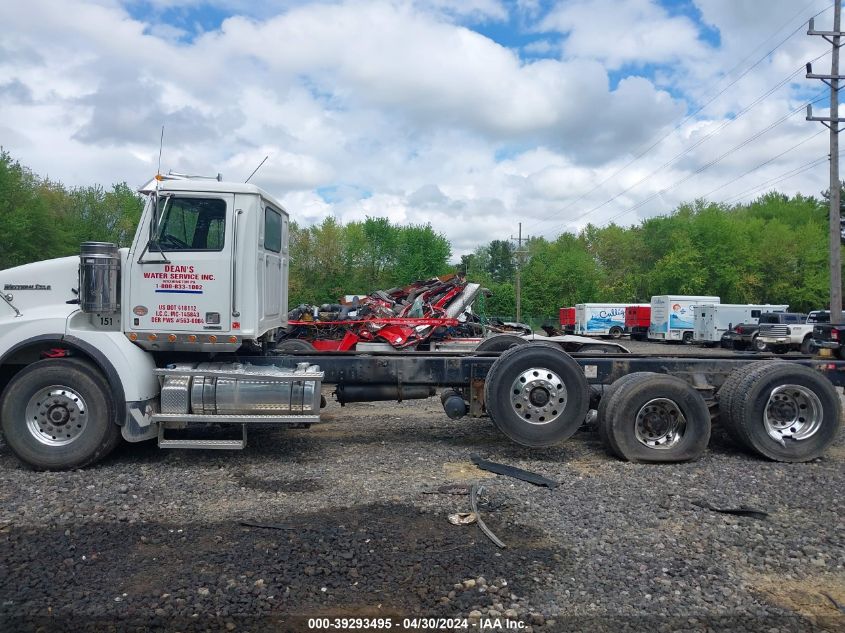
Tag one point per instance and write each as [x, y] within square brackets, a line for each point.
[832, 122]
[519, 252]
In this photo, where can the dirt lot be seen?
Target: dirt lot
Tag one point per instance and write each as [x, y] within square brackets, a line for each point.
[354, 526]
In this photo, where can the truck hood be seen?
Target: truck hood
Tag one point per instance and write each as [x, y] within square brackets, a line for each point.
[39, 284]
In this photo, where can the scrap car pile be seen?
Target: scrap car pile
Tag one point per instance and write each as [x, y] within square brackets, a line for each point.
[434, 311]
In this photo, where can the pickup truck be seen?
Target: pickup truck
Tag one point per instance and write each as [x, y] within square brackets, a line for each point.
[829, 336]
[745, 335]
[783, 337]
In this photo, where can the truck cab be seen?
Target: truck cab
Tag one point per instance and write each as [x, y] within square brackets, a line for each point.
[130, 342]
[208, 268]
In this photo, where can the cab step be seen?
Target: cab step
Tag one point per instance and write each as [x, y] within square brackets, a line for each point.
[231, 445]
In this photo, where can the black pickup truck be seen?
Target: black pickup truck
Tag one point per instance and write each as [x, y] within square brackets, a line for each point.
[744, 335]
[829, 336]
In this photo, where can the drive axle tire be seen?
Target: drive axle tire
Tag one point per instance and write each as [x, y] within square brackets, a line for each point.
[59, 415]
[616, 332]
[604, 411]
[728, 393]
[658, 418]
[786, 412]
[536, 394]
[500, 343]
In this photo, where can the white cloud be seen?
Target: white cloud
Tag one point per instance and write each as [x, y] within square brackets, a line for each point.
[401, 109]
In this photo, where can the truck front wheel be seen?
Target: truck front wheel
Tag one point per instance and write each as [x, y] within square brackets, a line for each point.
[59, 415]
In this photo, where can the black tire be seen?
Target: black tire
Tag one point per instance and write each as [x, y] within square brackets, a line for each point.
[81, 394]
[616, 332]
[294, 345]
[766, 387]
[686, 339]
[557, 377]
[500, 343]
[657, 398]
[758, 345]
[808, 346]
[606, 405]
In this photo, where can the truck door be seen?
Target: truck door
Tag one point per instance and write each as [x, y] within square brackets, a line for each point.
[182, 281]
[272, 260]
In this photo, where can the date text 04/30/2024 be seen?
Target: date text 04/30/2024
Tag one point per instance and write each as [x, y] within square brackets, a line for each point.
[431, 624]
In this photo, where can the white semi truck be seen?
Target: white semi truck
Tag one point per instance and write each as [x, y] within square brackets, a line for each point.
[179, 331]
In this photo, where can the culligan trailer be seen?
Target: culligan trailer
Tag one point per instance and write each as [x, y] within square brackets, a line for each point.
[712, 320]
[182, 331]
[600, 319]
[672, 316]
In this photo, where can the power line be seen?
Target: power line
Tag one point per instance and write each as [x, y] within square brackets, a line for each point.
[760, 166]
[698, 143]
[704, 167]
[775, 180]
[717, 160]
[704, 105]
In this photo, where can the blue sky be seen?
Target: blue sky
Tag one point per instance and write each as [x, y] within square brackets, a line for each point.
[471, 116]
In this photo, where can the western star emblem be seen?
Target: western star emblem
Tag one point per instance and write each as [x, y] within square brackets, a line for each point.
[26, 287]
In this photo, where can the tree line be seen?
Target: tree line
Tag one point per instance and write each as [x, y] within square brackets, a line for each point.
[771, 250]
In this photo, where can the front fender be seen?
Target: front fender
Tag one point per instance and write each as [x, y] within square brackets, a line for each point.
[132, 366]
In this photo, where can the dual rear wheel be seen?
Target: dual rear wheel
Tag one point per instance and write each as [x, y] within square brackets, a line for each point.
[537, 395]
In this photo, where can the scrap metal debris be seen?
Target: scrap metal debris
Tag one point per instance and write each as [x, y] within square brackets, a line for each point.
[473, 504]
[742, 511]
[463, 518]
[413, 316]
[513, 471]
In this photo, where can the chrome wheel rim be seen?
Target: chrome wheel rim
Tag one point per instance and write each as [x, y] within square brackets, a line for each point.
[56, 415]
[794, 412]
[660, 424]
[538, 396]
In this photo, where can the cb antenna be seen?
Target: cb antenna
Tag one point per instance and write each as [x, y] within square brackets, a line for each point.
[160, 146]
[257, 168]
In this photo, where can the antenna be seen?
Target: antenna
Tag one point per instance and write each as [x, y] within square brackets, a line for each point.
[257, 168]
[160, 146]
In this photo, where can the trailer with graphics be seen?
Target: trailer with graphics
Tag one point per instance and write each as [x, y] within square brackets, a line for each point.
[673, 317]
[600, 319]
[179, 333]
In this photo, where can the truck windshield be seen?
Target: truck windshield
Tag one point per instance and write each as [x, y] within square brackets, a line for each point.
[192, 224]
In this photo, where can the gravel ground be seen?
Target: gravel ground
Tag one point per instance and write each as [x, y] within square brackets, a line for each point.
[155, 540]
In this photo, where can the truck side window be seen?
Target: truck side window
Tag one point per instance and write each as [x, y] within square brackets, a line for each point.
[193, 224]
[272, 230]
[755, 314]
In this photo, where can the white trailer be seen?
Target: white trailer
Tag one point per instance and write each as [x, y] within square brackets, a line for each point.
[672, 316]
[600, 319]
[712, 320]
